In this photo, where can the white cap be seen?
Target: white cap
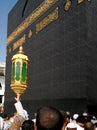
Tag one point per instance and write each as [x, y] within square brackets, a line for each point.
[75, 116]
[85, 114]
[71, 125]
[34, 120]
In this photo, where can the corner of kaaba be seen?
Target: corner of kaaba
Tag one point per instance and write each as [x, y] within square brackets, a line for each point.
[60, 39]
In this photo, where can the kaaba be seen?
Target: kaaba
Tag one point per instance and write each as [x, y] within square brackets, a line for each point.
[61, 44]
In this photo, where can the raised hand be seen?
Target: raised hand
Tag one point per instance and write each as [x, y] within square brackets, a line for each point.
[18, 97]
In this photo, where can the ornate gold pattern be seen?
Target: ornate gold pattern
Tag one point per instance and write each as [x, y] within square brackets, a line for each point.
[30, 34]
[19, 42]
[50, 18]
[8, 51]
[67, 5]
[47, 20]
[89, 0]
[32, 17]
[80, 1]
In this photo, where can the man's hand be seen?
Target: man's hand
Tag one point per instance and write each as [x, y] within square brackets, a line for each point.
[18, 97]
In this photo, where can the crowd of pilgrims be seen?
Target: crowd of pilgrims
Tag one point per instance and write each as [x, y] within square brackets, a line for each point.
[46, 118]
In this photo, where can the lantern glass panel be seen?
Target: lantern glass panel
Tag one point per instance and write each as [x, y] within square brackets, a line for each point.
[18, 70]
[24, 72]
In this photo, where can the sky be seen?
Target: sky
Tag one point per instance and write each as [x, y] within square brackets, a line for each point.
[5, 7]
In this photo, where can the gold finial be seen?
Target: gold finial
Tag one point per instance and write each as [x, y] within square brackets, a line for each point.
[21, 50]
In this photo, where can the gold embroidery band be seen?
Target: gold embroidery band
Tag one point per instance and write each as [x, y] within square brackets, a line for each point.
[89, 0]
[32, 17]
[80, 1]
[19, 42]
[67, 5]
[47, 20]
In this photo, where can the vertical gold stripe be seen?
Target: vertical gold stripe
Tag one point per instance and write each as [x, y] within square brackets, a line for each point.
[19, 42]
[47, 20]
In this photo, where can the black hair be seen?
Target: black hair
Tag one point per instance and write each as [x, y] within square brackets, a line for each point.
[28, 125]
[49, 118]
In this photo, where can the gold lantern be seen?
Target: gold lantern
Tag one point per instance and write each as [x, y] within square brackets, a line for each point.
[19, 75]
